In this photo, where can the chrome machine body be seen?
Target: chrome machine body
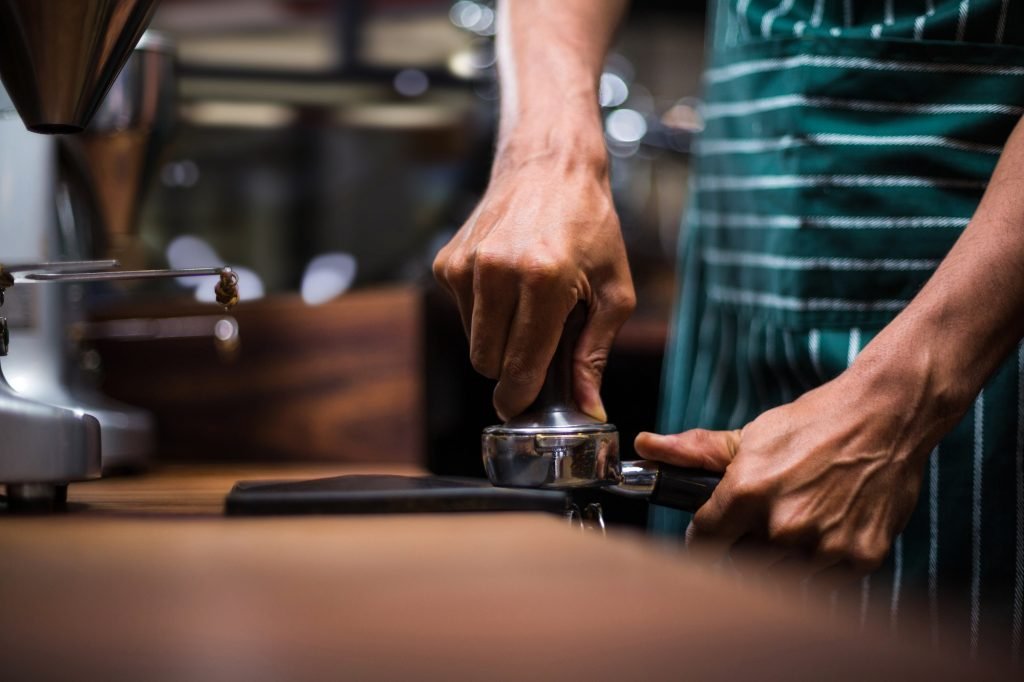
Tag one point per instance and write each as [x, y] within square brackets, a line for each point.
[58, 60]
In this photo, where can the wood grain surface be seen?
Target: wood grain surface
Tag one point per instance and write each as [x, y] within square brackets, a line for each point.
[338, 382]
[144, 580]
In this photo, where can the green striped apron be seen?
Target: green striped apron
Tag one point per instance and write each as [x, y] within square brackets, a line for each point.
[847, 144]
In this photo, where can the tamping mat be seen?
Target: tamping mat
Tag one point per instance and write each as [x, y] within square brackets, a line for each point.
[387, 494]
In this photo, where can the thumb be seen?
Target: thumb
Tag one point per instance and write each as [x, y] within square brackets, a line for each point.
[591, 357]
[697, 448]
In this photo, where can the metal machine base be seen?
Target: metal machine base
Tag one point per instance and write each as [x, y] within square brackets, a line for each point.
[44, 448]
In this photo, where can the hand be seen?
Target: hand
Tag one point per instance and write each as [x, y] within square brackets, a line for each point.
[830, 478]
[544, 236]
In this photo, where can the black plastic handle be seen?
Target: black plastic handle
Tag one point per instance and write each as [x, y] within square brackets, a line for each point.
[556, 393]
[684, 488]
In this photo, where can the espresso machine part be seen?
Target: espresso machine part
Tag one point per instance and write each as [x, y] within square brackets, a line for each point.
[120, 150]
[102, 176]
[46, 446]
[554, 445]
[58, 58]
[80, 272]
[7, 272]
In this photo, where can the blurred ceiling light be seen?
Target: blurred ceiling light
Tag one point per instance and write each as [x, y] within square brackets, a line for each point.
[401, 116]
[465, 14]
[613, 90]
[179, 174]
[327, 277]
[239, 114]
[411, 82]
[281, 92]
[189, 251]
[625, 125]
[473, 60]
[192, 252]
[461, 64]
[620, 65]
[485, 25]
[301, 48]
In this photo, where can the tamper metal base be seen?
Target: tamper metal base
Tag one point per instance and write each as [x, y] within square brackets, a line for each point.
[568, 457]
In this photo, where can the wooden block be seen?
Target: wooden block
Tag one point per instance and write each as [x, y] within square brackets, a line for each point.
[340, 381]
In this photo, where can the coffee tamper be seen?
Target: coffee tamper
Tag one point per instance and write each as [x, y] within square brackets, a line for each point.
[554, 445]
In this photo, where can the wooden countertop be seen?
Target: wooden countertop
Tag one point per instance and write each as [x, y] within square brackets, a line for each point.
[145, 580]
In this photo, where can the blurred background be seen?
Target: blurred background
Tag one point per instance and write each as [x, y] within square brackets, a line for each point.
[327, 149]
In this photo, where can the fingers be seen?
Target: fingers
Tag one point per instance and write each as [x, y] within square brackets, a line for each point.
[454, 271]
[724, 518]
[604, 320]
[734, 509]
[533, 336]
[698, 448]
[494, 304]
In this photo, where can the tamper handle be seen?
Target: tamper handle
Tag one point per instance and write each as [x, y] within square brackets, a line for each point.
[557, 393]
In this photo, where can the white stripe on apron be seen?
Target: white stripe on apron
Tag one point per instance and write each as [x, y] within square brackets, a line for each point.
[755, 106]
[961, 27]
[897, 580]
[713, 397]
[979, 449]
[814, 350]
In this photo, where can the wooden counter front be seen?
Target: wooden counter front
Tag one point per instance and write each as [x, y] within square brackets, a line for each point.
[144, 580]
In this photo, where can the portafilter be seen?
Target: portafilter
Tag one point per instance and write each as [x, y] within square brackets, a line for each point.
[554, 445]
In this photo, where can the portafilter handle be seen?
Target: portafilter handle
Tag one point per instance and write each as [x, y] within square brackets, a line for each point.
[666, 485]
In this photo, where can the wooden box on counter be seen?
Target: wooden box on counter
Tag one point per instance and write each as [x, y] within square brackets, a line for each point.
[341, 381]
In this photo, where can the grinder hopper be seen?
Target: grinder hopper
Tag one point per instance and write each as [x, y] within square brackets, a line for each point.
[58, 58]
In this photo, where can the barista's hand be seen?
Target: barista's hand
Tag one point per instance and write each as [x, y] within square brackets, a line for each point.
[544, 236]
[830, 478]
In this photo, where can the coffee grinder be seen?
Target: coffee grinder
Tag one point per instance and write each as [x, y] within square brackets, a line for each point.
[58, 59]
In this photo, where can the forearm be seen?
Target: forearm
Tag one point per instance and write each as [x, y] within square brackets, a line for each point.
[970, 314]
[550, 56]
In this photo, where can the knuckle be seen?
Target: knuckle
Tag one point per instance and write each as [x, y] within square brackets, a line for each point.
[789, 529]
[459, 271]
[491, 261]
[594, 361]
[833, 548]
[624, 301]
[702, 437]
[867, 556]
[541, 271]
[517, 372]
[440, 265]
[482, 362]
[745, 490]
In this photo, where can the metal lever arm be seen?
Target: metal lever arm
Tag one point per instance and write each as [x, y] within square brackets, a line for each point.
[226, 289]
[111, 275]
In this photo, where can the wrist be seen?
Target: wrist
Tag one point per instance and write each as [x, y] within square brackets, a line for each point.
[560, 148]
[914, 382]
